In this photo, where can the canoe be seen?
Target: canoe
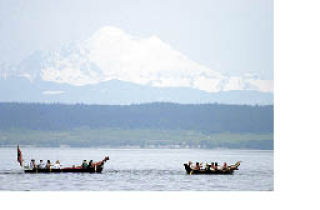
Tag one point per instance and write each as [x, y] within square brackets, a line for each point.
[97, 168]
[229, 170]
[66, 170]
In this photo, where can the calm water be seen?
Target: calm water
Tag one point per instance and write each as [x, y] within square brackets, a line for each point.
[138, 169]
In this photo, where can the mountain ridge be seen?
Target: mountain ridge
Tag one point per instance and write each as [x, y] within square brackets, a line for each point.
[111, 53]
[20, 89]
[114, 67]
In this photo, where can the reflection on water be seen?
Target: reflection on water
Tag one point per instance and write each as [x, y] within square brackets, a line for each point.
[138, 169]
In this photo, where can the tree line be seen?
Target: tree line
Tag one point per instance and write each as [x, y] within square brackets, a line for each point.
[205, 118]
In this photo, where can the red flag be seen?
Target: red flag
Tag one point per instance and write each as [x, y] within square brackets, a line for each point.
[19, 155]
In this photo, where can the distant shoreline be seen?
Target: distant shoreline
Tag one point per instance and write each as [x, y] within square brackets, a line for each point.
[131, 148]
[156, 125]
[135, 138]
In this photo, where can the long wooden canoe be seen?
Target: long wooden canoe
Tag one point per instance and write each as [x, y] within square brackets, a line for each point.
[96, 169]
[228, 170]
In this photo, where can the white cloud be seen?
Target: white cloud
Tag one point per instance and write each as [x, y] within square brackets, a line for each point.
[110, 53]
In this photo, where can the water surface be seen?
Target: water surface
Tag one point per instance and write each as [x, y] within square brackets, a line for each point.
[138, 169]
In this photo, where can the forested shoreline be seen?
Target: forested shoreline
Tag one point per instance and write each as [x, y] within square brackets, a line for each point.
[144, 125]
[208, 118]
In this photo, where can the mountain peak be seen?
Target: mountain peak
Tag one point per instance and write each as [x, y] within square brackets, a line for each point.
[110, 53]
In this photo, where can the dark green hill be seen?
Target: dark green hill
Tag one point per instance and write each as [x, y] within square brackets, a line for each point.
[205, 118]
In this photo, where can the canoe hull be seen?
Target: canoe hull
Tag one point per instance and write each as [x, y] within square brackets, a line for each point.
[65, 170]
[208, 172]
[97, 168]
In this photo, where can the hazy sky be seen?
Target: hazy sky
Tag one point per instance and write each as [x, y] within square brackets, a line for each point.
[233, 37]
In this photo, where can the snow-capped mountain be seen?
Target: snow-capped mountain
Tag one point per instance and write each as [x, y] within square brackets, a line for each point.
[114, 67]
[20, 89]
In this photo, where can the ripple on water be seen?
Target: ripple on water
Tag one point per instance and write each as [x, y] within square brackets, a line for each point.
[135, 170]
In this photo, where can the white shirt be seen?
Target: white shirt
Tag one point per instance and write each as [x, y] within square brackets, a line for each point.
[42, 165]
[56, 166]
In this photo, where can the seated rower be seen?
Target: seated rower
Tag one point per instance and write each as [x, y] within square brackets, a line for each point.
[225, 166]
[48, 165]
[217, 167]
[192, 166]
[197, 167]
[207, 167]
[212, 167]
[56, 165]
[90, 164]
[32, 164]
[84, 164]
[42, 165]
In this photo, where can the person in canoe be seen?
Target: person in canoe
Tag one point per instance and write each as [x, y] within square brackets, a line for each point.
[225, 166]
[212, 167]
[42, 165]
[217, 166]
[57, 165]
[90, 165]
[48, 164]
[207, 167]
[32, 164]
[84, 164]
[197, 166]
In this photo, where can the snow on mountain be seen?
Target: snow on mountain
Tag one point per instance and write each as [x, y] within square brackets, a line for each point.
[112, 54]
[20, 89]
